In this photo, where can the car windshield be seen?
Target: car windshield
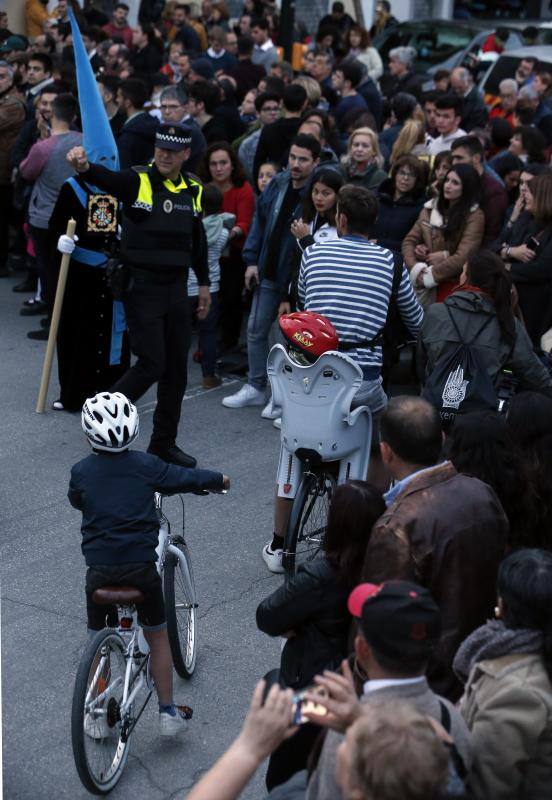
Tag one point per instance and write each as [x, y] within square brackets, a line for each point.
[433, 46]
[505, 67]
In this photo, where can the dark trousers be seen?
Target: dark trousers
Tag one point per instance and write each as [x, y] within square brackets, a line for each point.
[158, 319]
[207, 330]
[232, 271]
[292, 755]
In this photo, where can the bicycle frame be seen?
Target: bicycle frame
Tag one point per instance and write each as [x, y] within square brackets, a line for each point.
[134, 679]
[166, 539]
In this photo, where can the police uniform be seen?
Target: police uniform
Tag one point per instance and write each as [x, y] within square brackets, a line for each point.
[162, 236]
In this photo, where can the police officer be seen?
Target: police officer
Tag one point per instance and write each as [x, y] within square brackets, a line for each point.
[162, 236]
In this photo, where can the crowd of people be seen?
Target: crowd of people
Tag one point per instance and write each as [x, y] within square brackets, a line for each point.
[391, 211]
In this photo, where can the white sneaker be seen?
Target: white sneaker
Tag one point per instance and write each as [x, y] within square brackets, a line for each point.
[273, 559]
[96, 727]
[172, 726]
[247, 396]
[270, 411]
[278, 423]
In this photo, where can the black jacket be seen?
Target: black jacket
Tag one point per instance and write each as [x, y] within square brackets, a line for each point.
[396, 217]
[115, 492]
[275, 141]
[474, 111]
[136, 141]
[313, 604]
[146, 62]
[533, 280]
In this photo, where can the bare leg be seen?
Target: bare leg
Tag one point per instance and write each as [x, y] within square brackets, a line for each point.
[161, 665]
[282, 512]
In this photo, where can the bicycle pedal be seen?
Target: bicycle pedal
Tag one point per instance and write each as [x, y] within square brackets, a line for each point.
[186, 711]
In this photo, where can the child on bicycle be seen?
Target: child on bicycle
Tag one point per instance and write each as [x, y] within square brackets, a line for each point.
[114, 488]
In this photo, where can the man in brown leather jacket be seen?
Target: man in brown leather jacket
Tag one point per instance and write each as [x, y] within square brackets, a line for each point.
[443, 530]
[12, 117]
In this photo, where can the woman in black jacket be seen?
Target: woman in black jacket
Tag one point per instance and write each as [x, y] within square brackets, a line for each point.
[401, 198]
[310, 610]
[526, 247]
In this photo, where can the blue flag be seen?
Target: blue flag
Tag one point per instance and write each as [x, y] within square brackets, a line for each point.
[98, 139]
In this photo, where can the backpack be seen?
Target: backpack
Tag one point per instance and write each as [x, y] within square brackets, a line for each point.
[459, 382]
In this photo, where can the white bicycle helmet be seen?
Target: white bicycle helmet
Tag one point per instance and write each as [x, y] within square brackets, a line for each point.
[110, 421]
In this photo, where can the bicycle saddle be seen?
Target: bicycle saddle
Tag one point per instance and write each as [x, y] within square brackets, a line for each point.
[118, 596]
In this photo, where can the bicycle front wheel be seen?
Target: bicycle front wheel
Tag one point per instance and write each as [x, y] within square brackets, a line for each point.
[308, 520]
[100, 748]
[181, 611]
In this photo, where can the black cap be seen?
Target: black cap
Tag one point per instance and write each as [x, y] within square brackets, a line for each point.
[171, 136]
[394, 614]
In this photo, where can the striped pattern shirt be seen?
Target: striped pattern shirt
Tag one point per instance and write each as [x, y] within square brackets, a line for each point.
[349, 281]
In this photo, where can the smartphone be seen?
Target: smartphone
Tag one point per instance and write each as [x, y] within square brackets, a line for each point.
[301, 705]
[533, 243]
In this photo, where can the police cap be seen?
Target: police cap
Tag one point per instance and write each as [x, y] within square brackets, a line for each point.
[171, 136]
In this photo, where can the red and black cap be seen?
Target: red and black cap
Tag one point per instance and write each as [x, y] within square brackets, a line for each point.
[395, 614]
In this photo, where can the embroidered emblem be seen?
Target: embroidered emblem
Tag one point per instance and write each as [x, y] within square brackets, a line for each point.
[167, 206]
[455, 389]
[102, 213]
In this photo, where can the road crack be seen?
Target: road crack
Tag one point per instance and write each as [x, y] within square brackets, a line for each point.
[236, 597]
[4, 598]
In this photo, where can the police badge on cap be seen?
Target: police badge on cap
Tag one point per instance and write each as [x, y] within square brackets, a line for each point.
[173, 137]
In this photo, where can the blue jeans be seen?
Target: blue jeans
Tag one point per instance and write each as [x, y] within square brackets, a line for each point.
[264, 309]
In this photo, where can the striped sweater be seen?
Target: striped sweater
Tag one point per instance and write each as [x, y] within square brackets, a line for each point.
[349, 280]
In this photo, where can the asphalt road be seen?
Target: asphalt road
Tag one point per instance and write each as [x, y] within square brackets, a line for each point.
[42, 573]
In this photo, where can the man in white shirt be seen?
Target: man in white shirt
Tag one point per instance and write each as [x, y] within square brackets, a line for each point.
[447, 122]
[264, 53]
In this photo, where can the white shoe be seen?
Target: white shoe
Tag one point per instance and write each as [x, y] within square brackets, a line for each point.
[270, 411]
[96, 727]
[172, 726]
[273, 559]
[278, 423]
[247, 396]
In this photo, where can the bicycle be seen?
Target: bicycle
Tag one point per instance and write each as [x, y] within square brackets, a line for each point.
[323, 442]
[114, 669]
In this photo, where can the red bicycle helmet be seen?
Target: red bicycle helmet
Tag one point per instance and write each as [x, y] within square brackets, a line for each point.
[308, 335]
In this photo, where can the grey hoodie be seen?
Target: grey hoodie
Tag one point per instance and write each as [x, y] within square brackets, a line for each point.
[217, 230]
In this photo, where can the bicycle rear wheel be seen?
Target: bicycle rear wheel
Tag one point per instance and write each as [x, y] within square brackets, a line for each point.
[181, 610]
[308, 519]
[96, 732]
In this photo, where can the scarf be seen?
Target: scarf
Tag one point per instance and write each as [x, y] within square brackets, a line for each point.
[354, 171]
[468, 287]
[494, 640]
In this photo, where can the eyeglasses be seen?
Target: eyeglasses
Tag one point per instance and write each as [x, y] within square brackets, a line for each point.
[404, 174]
[165, 107]
[270, 109]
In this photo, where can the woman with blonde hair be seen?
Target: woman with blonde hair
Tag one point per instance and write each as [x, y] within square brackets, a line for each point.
[312, 88]
[410, 141]
[361, 166]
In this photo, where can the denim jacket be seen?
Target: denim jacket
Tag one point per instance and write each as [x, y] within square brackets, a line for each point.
[256, 245]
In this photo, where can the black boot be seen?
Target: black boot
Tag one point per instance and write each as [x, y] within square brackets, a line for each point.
[172, 455]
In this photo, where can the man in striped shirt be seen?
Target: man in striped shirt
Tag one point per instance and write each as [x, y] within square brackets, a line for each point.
[349, 281]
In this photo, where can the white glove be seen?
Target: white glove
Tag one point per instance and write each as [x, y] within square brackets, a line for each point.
[66, 244]
[429, 280]
[420, 266]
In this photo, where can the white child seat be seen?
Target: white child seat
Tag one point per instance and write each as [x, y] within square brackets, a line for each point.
[315, 402]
